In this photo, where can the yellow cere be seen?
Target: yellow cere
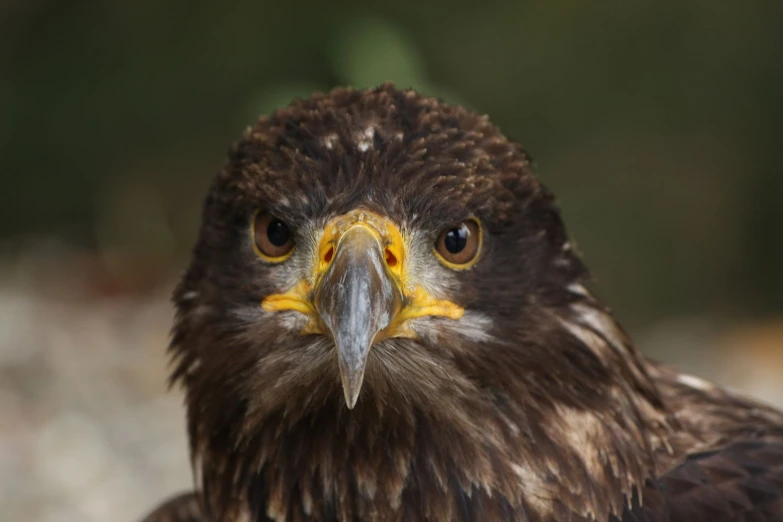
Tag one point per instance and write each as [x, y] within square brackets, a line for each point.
[388, 236]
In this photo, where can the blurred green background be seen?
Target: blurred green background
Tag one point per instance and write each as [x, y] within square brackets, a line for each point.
[658, 124]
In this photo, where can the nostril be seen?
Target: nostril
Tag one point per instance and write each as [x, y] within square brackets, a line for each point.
[328, 255]
[391, 259]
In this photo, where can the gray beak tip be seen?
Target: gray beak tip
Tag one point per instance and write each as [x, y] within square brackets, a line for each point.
[351, 398]
[352, 386]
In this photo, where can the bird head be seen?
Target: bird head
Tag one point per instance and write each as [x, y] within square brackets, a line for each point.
[362, 226]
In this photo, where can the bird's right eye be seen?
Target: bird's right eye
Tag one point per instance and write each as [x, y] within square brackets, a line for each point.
[273, 241]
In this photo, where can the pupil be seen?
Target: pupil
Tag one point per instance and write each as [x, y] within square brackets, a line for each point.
[278, 233]
[456, 239]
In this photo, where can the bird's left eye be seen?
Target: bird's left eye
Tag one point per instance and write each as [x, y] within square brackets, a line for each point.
[272, 239]
[458, 247]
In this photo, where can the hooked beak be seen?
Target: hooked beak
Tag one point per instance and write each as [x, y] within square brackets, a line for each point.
[360, 293]
[356, 300]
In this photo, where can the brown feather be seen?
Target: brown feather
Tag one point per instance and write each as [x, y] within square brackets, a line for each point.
[743, 481]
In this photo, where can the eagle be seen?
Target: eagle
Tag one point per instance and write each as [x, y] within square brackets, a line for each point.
[384, 320]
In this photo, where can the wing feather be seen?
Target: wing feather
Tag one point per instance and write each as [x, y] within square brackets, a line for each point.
[741, 482]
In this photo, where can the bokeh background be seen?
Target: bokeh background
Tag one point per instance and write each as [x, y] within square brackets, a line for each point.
[658, 124]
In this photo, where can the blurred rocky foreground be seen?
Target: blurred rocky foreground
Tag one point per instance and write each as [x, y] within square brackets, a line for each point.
[88, 431]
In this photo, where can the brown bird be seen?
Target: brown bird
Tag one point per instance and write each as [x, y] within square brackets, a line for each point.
[384, 320]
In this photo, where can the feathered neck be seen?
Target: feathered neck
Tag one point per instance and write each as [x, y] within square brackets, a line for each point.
[489, 432]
